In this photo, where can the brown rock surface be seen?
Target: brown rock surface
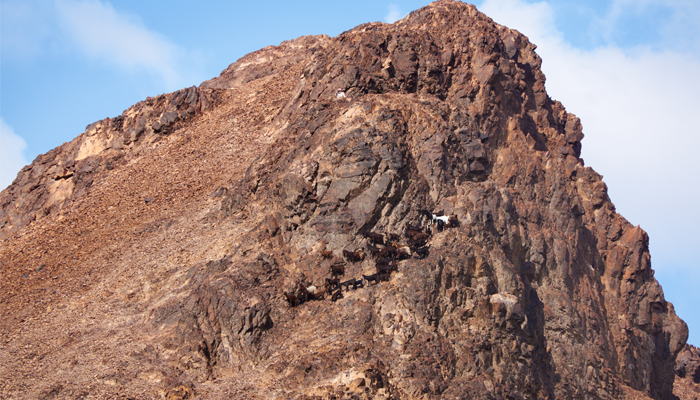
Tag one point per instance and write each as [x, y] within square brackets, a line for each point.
[687, 383]
[150, 256]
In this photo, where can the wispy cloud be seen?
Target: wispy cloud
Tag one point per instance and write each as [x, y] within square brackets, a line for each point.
[96, 31]
[11, 154]
[28, 28]
[393, 14]
[119, 39]
[673, 23]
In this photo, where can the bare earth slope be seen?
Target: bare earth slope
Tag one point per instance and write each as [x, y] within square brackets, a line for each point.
[150, 256]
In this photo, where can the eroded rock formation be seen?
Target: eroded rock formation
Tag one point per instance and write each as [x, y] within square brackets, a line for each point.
[151, 255]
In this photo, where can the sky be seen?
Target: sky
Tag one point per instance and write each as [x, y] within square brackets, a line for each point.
[628, 68]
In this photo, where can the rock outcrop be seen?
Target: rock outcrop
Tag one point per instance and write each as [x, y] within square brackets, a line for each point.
[687, 384]
[152, 256]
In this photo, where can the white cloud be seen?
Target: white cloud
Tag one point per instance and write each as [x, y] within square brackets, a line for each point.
[32, 29]
[394, 14]
[673, 23]
[535, 20]
[27, 27]
[120, 40]
[11, 157]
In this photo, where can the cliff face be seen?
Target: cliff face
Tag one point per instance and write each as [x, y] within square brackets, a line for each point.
[151, 255]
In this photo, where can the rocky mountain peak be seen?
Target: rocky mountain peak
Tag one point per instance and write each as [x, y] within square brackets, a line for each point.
[400, 211]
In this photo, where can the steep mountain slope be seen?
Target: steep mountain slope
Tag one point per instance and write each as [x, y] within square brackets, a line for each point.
[150, 256]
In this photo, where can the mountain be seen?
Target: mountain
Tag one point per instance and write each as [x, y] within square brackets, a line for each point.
[173, 251]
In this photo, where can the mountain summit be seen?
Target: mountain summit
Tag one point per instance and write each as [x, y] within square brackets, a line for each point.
[399, 212]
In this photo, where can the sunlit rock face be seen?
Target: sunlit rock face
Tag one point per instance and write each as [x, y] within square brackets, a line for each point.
[188, 248]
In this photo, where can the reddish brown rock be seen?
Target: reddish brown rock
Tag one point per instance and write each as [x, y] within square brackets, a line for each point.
[687, 384]
[149, 257]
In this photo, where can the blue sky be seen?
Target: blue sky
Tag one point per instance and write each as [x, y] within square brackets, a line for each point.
[627, 68]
